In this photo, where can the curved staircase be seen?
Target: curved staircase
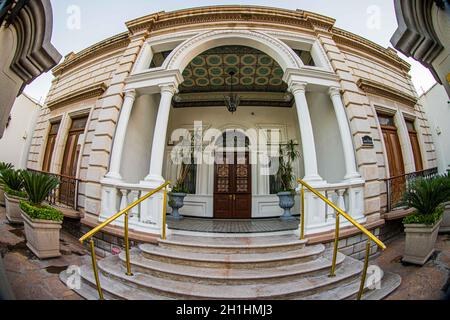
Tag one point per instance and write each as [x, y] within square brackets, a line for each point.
[257, 268]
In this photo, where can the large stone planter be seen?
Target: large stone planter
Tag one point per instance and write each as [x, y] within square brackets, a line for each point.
[42, 237]
[13, 212]
[419, 242]
[2, 196]
[445, 224]
[176, 202]
[287, 202]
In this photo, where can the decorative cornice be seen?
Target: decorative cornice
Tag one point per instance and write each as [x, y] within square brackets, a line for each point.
[352, 40]
[118, 41]
[239, 15]
[79, 95]
[376, 88]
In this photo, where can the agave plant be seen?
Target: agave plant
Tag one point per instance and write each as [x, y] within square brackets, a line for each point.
[427, 195]
[38, 186]
[4, 166]
[12, 179]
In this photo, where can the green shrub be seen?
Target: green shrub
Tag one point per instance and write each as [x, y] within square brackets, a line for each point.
[4, 166]
[427, 196]
[12, 179]
[14, 193]
[429, 219]
[38, 186]
[41, 213]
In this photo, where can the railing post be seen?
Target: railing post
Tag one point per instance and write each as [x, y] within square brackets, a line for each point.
[364, 274]
[163, 236]
[336, 242]
[302, 214]
[95, 269]
[127, 247]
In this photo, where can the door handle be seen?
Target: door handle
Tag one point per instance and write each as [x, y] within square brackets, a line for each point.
[234, 197]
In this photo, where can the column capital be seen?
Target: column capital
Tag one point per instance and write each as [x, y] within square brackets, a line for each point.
[130, 94]
[334, 91]
[168, 88]
[296, 87]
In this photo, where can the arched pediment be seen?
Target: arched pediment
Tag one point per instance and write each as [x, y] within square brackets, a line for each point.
[188, 50]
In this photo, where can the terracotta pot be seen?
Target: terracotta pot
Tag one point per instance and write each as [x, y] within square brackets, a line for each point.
[2, 196]
[12, 209]
[419, 242]
[445, 224]
[42, 237]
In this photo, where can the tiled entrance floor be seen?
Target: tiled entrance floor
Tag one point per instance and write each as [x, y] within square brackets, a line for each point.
[232, 226]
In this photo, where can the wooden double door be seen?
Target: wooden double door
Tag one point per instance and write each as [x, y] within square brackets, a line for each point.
[232, 186]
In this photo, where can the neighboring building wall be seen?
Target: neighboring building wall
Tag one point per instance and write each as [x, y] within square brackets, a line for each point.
[16, 139]
[436, 106]
[25, 50]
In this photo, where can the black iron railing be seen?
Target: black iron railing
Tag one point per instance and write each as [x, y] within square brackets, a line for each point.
[66, 193]
[396, 186]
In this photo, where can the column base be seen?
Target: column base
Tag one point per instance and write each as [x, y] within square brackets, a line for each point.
[354, 176]
[152, 181]
[113, 176]
[315, 181]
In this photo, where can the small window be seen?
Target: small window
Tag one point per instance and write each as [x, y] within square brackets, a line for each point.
[159, 58]
[386, 120]
[410, 126]
[306, 57]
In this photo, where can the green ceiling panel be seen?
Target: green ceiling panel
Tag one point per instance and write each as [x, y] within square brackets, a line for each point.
[254, 71]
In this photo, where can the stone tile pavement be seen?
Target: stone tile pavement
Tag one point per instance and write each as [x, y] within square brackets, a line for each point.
[429, 282]
[29, 277]
[233, 226]
[33, 279]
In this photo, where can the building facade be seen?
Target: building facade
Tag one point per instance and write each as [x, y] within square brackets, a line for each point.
[121, 113]
[16, 140]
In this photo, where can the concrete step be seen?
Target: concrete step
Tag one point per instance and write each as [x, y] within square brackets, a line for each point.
[231, 261]
[233, 244]
[389, 284]
[192, 273]
[302, 286]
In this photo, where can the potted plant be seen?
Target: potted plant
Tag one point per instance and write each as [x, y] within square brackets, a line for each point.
[13, 188]
[179, 192]
[42, 222]
[285, 178]
[427, 196]
[3, 166]
[445, 224]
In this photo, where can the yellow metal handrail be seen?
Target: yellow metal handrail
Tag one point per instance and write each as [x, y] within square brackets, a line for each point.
[125, 211]
[339, 212]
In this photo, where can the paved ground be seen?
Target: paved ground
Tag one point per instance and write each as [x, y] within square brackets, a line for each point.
[31, 278]
[429, 282]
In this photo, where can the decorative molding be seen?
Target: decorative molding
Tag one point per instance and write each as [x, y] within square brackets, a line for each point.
[376, 88]
[79, 95]
[290, 59]
[33, 24]
[342, 37]
[71, 60]
[416, 36]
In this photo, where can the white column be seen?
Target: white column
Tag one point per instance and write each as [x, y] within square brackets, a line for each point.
[159, 137]
[309, 154]
[119, 137]
[346, 136]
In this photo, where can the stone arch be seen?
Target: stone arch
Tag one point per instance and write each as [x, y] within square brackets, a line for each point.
[188, 50]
